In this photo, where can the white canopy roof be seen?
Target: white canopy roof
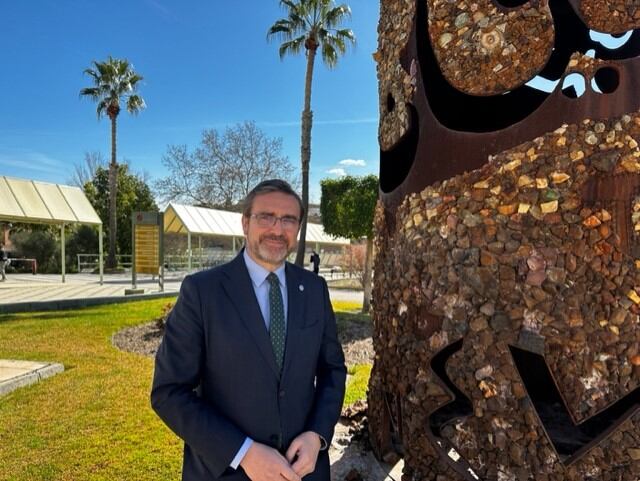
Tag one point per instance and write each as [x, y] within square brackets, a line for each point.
[202, 221]
[40, 202]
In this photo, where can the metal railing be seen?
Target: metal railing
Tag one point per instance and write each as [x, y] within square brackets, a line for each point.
[89, 262]
[172, 262]
[202, 259]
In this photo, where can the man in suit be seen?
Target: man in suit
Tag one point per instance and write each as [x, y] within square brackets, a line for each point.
[250, 373]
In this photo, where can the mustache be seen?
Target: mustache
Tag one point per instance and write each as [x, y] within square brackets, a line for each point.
[273, 237]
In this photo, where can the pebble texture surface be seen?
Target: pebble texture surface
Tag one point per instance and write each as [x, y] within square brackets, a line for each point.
[518, 253]
[538, 250]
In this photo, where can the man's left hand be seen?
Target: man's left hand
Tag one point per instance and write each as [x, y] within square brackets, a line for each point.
[303, 453]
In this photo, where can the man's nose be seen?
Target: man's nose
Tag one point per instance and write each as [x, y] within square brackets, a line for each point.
[277, 226]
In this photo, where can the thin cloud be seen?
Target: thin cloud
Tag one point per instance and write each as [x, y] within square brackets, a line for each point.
[337, 172]
[158, 6]
[267, 123]
[296, 123]
[32, 161]
[353, 163]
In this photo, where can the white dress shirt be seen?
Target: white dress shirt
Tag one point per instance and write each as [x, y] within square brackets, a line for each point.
[260, 284]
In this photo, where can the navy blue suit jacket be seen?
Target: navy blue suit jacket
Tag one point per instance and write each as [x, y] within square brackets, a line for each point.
[216, 380]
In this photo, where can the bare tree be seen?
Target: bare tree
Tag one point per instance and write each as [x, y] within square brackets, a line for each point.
[84, 172]
[222, 170]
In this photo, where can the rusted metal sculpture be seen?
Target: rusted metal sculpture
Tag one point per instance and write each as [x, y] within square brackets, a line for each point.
[507, 279]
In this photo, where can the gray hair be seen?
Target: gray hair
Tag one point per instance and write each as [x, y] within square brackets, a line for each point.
[266, 187]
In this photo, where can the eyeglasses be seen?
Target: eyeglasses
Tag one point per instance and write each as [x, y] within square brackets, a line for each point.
[288, 222]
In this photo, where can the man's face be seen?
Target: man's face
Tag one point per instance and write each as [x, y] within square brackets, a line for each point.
[268, 245]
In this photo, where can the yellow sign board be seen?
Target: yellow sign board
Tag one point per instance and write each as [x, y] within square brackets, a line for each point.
[147, 249]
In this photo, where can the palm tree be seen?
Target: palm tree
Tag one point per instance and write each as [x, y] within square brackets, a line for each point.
[312, 24]
[114, 81]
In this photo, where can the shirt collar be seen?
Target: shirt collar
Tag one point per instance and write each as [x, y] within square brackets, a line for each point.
[259, 274]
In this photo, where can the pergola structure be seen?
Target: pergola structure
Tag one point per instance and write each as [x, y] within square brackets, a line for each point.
[200, 221]
[33, 202]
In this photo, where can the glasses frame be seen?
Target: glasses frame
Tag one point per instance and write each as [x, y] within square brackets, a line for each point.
[262, 217]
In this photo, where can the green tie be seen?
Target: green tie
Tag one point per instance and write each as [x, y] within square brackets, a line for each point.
[276, 320]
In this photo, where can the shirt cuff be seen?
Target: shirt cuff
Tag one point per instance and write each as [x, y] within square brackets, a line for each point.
[323, 443]
[241, 452]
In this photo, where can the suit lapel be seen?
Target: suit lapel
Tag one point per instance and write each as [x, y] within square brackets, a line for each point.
[240, 291]
[295, 315]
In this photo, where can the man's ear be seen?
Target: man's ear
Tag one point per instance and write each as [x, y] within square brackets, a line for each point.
[245, 224]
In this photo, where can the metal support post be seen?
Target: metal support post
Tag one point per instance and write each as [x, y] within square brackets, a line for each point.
[189, 250]
[63, 260]
[101, 255]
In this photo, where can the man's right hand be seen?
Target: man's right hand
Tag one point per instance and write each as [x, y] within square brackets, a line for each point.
[263, 463]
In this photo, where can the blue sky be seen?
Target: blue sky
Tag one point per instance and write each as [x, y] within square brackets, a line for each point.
[206, 64]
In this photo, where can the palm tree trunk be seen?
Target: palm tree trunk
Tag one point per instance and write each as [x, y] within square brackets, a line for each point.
[368, 264]
[305, 154]
[113, 191]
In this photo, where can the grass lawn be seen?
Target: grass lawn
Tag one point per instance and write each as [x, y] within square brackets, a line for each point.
[92, 422]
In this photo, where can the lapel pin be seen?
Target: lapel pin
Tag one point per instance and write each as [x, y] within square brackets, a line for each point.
[301, 287]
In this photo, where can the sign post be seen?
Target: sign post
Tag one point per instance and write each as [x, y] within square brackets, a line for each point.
[147, 246]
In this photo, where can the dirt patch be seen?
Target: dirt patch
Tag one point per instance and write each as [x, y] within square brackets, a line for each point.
[145, 339]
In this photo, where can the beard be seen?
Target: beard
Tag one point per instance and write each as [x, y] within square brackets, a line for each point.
[271, 253]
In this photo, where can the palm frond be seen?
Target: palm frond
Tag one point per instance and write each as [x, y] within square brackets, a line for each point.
[346, 34]
[336, 16]
[336, 42]
[316, 19]
[114, 80]
[135, 104]
[289, 5]
[292, 46]
[329, 55]
[282, 29]
[92, 92]
[102, 107]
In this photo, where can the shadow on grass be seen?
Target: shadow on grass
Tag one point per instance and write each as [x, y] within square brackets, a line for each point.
[82, 312]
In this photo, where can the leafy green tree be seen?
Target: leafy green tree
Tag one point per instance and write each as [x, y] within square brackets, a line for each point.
[312, 24]
[133, 195]
[347, 206]
[82, 239]
[39, 242]
[114, 81]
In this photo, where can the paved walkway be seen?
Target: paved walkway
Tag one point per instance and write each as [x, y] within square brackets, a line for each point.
[16, 374]
[26, 292]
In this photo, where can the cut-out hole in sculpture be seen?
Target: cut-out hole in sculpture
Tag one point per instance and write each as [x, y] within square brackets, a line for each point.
[543, 84]
[574, 86]
[606, 80]
[468, 113]
[391, 102]
[611, 42]
[461, 406]
[572, 35]
[570, 440]
[510, 3]
[396, 163]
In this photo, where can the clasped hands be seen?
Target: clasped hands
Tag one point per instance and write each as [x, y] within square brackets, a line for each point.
[263, 463]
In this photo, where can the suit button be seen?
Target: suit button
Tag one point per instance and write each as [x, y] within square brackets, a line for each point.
[281, 393]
